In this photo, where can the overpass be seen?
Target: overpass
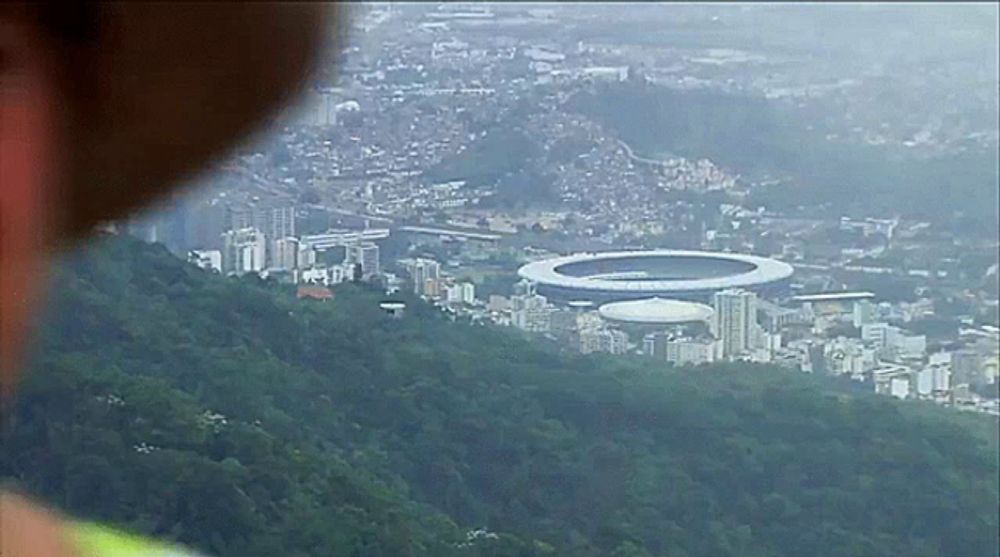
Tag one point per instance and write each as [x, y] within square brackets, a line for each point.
[335, 238]
[834, 297]
[432, 231]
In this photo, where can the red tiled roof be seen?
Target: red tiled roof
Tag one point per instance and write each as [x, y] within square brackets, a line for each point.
[315, 292]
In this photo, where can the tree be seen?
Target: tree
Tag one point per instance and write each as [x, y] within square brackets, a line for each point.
[237, 419]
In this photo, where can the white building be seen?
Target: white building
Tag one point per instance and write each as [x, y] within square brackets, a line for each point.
[425, 274]
[891, 342]
[614, 341]
[876, 334]
[531, 312]
[343, 238]
[286, 254]
[848, 356]
[899, 387]
[468, 295]
[339, 273]
[735, 321]
[679, 350]
[605, 73]
[367, 254]
[277, 223]
[864, 313]
[206, 259]
[933, 378]
[461, 293]
[611, 341]
[908, 346]
[243, 251]
[314, 275]
[306, 257]
[893, 379]
[685, 351]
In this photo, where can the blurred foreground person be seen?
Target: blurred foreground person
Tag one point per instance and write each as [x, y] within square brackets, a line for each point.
[102, 108]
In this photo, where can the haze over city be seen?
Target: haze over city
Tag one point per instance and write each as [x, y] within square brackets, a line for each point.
[547, 279]
[856, 144]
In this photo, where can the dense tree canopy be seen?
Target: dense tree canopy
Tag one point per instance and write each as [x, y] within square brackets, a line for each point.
[229, 415]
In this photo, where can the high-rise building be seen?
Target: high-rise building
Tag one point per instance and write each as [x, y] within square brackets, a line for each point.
[934, 378]
[432, 288]
[275, 220]
[306, 256]
[876, 334]
[238, 217]
[243, 251]
[966, 366]
[367, 255]
[468, 292]
[735, 321]
[425, 274]
[286, 254]
[864, 313]
[453, 294]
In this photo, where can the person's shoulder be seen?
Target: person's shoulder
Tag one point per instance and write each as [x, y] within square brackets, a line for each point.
[30, 530]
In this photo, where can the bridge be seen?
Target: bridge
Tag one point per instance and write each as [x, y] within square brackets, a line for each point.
[336, 238]
[431, 231]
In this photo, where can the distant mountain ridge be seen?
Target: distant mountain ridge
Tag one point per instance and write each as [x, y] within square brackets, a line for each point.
[751, 135]
[228, 415]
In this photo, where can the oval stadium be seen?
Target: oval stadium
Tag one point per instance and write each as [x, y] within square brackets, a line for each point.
[680, 274]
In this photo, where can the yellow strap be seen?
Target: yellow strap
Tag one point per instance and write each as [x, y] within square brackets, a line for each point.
[94, 540]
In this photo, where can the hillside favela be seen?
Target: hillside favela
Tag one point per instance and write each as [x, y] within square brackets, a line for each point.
[624, 280]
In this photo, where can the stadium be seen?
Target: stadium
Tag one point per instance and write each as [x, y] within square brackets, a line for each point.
[678, 274]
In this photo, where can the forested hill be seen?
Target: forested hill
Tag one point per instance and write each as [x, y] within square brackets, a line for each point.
[226, 414]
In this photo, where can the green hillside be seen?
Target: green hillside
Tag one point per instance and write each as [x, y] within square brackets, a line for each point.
[506, 160]
[226, 414]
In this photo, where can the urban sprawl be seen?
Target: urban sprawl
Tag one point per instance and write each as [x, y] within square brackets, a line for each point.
[348, 190]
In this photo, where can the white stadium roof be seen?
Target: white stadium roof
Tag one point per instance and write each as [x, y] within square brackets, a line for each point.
[760, 270]
[659, 311]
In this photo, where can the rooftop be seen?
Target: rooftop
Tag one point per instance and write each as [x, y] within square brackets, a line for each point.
[655, 271]
[656, 311]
